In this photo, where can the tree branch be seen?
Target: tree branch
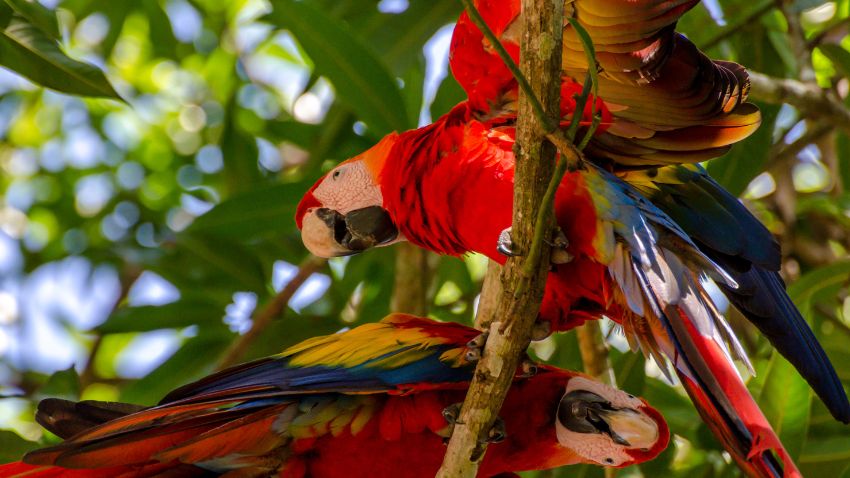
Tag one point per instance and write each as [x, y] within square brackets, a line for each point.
[414, 270]
[272, 310]
[594, 352]
[522, 279]
[810, 99]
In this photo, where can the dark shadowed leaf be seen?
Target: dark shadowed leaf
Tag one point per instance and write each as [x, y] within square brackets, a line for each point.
[183, 313]
[12, 446]
[62, 384]
[840, 57]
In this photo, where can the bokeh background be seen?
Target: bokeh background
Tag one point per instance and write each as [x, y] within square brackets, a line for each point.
[146, 242]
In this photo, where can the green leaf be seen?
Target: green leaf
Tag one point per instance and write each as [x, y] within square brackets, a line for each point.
[812, 283]
[254, 213]
[183, 313]
[13, 447]
[786, 400]
[27, 50]
[842, 144]
[37, 14]
[360, 79]
[62, 384]
[230, 258]
[839, 57]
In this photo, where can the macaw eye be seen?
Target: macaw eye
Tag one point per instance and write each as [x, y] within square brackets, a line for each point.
[336, 173]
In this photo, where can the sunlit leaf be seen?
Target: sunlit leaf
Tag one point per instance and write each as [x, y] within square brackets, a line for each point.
[28, 51]
[38, 15]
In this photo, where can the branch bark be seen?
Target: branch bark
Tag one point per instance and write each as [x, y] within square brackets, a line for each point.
[515, 314]
[594, 352]
[809, 98]
[272, 310]
[414, 270]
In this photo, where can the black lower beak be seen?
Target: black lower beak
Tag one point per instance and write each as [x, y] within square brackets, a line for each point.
[360, 229]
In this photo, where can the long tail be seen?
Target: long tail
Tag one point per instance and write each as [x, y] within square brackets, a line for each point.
[670, 315]
[724, 402]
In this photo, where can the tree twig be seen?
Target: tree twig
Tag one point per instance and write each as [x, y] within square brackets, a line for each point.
[272, 310]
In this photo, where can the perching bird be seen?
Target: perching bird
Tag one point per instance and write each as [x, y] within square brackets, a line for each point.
[670, 104]
[647, 72]
[662, 101]
[376, 401]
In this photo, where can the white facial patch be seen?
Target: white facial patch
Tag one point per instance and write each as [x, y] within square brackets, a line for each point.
[598, 447]
[348, 187]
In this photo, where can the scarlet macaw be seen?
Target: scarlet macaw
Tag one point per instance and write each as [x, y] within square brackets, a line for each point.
[369, 402]
[668, 103]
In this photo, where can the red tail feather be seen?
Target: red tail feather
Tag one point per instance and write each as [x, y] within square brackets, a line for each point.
[753, 454]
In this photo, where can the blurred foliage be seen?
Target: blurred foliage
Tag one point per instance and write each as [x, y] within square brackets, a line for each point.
[216, 117]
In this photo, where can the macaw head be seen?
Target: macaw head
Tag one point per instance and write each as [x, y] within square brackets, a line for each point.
[343, 213]
[607, 426]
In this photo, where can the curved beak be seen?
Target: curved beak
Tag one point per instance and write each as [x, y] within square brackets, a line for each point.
[581, 411]
[328, 233]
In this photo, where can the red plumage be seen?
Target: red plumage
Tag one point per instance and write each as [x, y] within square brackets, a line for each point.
[259, 419]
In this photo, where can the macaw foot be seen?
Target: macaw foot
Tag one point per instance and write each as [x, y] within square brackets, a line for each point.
[451, 414]
[475, 347]
[505, 244]
[541, 329]
[559, 253]
[497, 432]
[559, 244]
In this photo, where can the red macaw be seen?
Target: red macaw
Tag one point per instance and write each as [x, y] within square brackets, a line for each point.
[664, 101]
[370, 402]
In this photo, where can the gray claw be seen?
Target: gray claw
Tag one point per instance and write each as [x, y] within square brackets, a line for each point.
[475, 348]
[452, 413]
[497, 432]
[478, 341]
[505, 244]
